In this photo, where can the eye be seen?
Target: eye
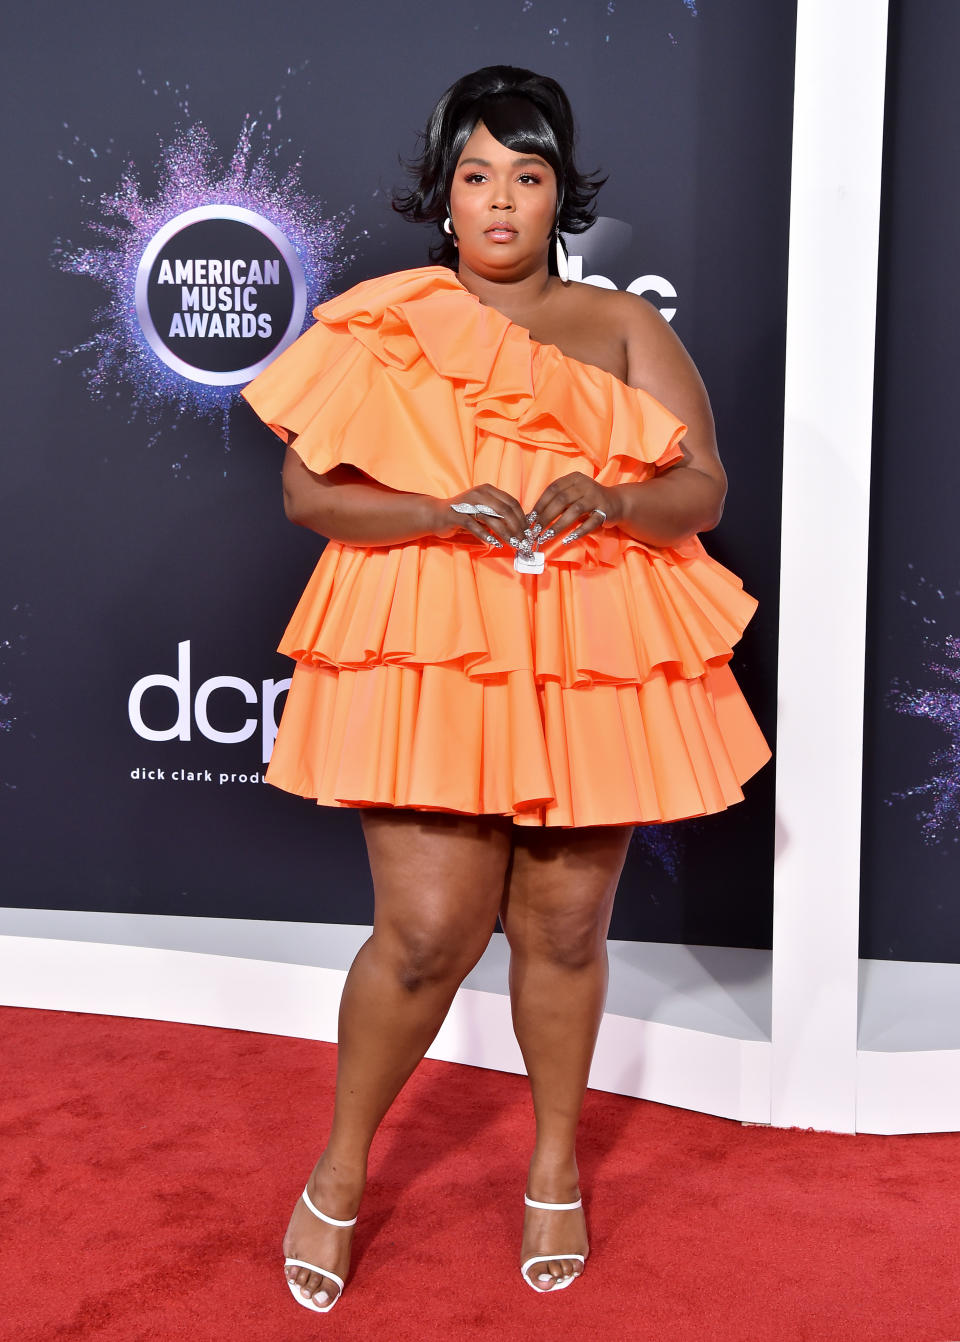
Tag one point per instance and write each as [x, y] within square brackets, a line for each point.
[529, 177]
[474, 177]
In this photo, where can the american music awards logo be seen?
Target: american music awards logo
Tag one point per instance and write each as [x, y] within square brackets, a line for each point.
[219, 292]
[207, 278]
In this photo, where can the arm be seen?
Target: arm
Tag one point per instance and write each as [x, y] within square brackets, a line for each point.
[680, 500]
[687, 497]
[346, 505]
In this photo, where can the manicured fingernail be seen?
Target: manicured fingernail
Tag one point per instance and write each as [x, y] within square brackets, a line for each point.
[537, 529]
[514, 542]
[493, 540]
[532, 517]
[548, 535]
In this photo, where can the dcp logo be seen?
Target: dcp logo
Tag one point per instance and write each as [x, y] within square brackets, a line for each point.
[220, 292]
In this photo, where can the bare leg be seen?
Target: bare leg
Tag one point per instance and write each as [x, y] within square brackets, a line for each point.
[438, 883]
[556, 914]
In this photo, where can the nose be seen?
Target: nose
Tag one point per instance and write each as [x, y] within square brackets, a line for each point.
[502, 200]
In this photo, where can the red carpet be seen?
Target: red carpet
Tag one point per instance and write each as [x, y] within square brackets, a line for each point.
[149, 1171]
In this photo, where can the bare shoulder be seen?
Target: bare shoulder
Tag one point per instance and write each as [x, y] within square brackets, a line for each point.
[657, 361]
[652, 346]
[626, 335]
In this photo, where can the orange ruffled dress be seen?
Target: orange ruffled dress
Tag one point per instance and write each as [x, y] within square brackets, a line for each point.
[432, 675]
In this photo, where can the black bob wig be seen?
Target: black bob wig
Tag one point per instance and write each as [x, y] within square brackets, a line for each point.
[526, 112]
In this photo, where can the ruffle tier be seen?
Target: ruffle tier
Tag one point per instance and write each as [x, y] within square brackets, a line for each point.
[431, 674]
[423, 604]
[545, 754]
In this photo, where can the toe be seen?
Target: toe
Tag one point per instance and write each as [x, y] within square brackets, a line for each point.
[328, 1291]
[544, 1275]
[309, 1287]
[538, 1275]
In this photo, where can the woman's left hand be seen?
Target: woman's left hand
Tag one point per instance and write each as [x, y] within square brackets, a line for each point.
[577, 501]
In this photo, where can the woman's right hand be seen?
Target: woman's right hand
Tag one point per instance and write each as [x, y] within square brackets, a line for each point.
[508, 527]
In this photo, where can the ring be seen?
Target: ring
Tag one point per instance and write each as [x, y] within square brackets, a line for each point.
[472, 509]
[603, 515]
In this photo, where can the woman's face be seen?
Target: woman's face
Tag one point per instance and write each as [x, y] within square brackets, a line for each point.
[503, 203]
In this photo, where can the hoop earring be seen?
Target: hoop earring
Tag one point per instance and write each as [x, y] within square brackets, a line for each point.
[448, 226]
[563, 268]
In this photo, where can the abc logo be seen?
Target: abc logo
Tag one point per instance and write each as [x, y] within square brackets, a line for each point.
[643, 284]
[607, 248]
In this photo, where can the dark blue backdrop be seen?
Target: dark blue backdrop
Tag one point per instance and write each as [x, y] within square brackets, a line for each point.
[129, 536]
[911, 831]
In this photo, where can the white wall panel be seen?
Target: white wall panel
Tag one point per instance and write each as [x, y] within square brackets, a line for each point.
[831, 318]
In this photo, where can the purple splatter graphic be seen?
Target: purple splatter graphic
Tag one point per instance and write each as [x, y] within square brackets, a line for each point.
[939, 703]
[13, 648]
[576, 29]
[190, 173]
[940, 819]
[661, 845]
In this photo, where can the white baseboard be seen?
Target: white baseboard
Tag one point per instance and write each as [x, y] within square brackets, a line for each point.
[690, 1068]
[908, 1092]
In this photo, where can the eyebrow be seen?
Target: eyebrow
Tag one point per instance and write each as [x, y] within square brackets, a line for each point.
[485, 162]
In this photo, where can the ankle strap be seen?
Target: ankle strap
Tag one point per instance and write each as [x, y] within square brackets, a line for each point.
[323, 1216]
[553, 1206]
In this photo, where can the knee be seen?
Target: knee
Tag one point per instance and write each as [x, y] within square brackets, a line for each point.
[573, 939]
[430, 953]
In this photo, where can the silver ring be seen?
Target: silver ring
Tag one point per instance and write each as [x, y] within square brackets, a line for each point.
[472, 509]
[603, 515]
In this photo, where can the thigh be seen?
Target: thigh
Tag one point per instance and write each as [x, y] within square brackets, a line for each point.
[435, 874]
[561, 886]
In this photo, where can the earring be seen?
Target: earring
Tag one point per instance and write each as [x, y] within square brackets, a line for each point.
[448, 226]
[563, 268]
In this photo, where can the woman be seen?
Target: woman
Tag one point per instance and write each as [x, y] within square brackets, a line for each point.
[513, 649]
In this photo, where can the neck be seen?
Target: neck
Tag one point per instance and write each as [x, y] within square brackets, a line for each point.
[522, 293]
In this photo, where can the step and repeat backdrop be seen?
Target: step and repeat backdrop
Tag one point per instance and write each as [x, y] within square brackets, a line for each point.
[910, 901]
[185, 183]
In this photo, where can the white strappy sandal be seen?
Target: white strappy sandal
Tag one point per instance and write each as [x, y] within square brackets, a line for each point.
[564, 1282]
[309, 1302]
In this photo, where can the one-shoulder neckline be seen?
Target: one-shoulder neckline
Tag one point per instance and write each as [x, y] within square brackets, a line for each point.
[540, 344]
